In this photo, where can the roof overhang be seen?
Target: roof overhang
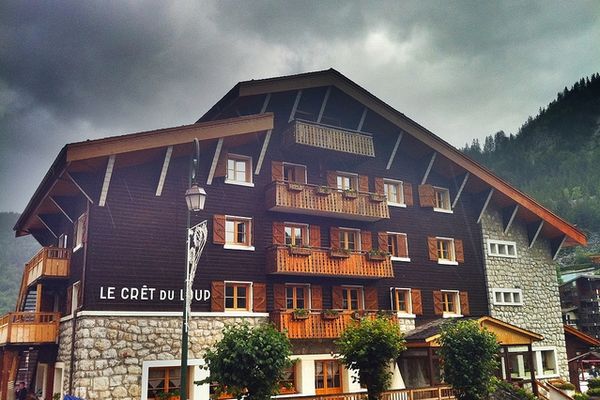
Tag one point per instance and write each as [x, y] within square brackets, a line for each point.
[585, 338]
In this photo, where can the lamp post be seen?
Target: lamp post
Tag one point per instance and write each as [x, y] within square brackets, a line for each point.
[195, 197]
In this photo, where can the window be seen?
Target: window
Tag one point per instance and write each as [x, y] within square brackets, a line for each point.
[237, 296]
[450, 302]
[500, 248]
[445, 250]
[163, 380]
[287, 385]
[296, 296]
[441, 199]
[394, 192]
[546, 362]
[508, 297]
[328, 378]
[238, 232]
[349, 239]
[239, 169]
[294, 173]
[79, 231]
[398, 246]
[296, 235]
[352, 298]
[402, 301]
[347, 181]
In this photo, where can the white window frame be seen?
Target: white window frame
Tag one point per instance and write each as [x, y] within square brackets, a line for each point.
[296, 225]
[400, 192]
[248, 160]
[75, 288]
[404, 259]
[537, 356]
[249, 299]
[296, 165]
[351, 175]
[198, 372]
[444, 261]
[402, 314]
[63, 240]
[231, 246]
[497, 243]
[78, 233]
[358, 237]
[458, 312]
[438, 209]
[511, 292]
[59, 376]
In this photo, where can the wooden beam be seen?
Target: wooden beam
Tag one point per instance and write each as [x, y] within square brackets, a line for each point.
[62, 210]
[263, 152]
[324, 104]
[163, 171]
[394, 150]
[362, 119]
[485, 204]
[509, 217]
[78, 186]
[295, 106]
[556, 246]
[213, 166]
[106, 183]
[433, 156]
[47, 225]
[533, 232]
[460, 189]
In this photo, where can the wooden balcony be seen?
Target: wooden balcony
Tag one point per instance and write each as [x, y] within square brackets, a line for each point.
[317, 261]
[317, 326]
[49, 262]
[327, 137]
[309, 199]
[29, 328]
[428, 393]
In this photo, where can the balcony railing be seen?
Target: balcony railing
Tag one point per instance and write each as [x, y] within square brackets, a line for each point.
[309, 199]
[429, 393]
[49, 262]
[318, 261]
[329, 137]
[317, 325]
[29, 327]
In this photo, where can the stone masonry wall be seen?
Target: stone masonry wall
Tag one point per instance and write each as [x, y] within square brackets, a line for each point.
[533, 271]
[109, 351]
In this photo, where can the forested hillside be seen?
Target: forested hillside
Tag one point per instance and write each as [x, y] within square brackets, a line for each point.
[14, 253]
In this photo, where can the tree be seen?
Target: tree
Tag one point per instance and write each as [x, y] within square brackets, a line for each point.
[249, 361]
[469, 357]
[369, 346]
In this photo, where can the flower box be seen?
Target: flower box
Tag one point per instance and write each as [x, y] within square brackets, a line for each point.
[376, 197]
[295, 187]
[323, 191]
[330, 315]
[339, 254]
[300, 314]
[300, 251]
[376, 256]
[350, 194]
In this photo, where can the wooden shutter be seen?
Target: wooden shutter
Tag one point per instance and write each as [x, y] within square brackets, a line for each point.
[416, 301]
[438, 302]
[315, 236]
[217, 296]
[382, 241]
[432, 247]
[408, 194]
[371, 298]
[259, 297]
[331, 179]
[218, 229]
[337, 296]
[464, 303]
[459, 251]
[279, 302]
[426, 196]
[316, 297]
[84, 228]
[379, 186]
[69, 300]
[363, 183]
[221, 169]
[278, 233]
[366, 241]
[402, 245]
[334, 238]
[276, 171]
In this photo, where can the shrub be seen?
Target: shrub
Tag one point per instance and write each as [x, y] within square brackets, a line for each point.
[510, 391]
[593, 392]
[594, 383]
[581, 396]
[565, 386]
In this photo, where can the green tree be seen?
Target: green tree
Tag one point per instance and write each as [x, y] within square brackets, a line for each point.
[370, 346]
[248, 361]
[469, 356]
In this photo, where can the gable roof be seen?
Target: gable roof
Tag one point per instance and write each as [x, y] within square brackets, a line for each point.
[592, 341]
[331, 77]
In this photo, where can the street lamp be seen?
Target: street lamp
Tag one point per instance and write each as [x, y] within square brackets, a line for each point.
[195, 198]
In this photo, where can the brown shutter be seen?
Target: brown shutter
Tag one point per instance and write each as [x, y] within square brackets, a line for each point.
[69, 300]
[279, 302]
[221, 169]
[334, 238]
[218, 229]
[363, 183]
[337, 295]
[426, 196]
[331, 179]
[408, 194]
[460, 253]
[438, 303]
[402, 245]
[316, 297]
[315, 236]
[382, 241]
[366, 241]
[217, 296]
[464, 303]
[371, 298]
[379, 186]
[278, 233]
[259, 297]
[416, 301]
[432, 247]
[84, 228]
[276, 171]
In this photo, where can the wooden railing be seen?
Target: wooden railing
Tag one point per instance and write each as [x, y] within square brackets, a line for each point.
[318, 200]
[317, 325]
[282, 260]
[48, 262]
[29, 327]
[438, 393]
[329, 137]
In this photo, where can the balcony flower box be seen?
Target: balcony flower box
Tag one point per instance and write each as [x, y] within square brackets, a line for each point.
[323, 191]
[376, 255]
[376, 197]
[295, 187]
[300, 251]
[174, 395]
[300, 314]
[330, 315]
[341, 253]
[357, 315]
[350, 194]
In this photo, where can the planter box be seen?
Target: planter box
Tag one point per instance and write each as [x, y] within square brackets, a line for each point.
[300, 251]
[339, 254]
[295, 187]
[376, 198]
[350, 195]
[300, 317]
[323, 191]
[330, 317]
[376, 257]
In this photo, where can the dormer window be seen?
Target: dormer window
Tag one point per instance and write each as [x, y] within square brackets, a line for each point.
[239, 170]
[441, 199]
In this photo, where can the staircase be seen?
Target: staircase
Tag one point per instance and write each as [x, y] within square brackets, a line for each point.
[30, 300]
[27, 367]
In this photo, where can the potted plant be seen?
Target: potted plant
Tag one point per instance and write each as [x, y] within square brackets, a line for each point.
[376, 255]
[339, 253]
[300, 251]
[330, 314]
[386, 313]
[323, 190]
[567, 387]
[295, 187]
[172, 395]
[357, 315]
[350, 194]
[300, 314]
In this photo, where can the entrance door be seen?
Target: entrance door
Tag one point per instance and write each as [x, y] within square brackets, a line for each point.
[328, 378]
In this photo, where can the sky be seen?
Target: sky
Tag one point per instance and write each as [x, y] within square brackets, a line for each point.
[77, 70]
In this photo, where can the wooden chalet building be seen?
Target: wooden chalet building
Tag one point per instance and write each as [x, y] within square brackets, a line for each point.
[320, 197]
